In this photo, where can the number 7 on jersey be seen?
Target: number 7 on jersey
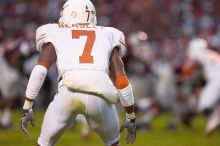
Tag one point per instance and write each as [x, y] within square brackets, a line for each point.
[86, 56]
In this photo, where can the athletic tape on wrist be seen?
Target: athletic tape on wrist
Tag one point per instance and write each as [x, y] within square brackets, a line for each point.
[36, 80]
[27, 104]
[130, 115]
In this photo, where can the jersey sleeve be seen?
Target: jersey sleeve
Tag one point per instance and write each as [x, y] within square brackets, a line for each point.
[118, 40]
[44, 35]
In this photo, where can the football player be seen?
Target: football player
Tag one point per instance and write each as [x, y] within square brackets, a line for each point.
[9, 85]
[198, 51]
[87, 56]
[6, 97]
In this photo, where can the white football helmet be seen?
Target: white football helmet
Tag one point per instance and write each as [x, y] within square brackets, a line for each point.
[197, 47]
[198, 44]
[77, 12]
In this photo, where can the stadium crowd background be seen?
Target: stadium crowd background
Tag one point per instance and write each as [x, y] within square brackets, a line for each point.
[157, 33]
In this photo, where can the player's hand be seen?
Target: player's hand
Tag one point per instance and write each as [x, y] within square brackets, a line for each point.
[129, 124]
[27, 115]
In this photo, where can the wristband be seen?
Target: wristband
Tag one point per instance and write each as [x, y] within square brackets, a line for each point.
[27, 104]
[130, 116]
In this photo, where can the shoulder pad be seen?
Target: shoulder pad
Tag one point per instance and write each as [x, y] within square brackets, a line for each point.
[118, 39]
[44, 34]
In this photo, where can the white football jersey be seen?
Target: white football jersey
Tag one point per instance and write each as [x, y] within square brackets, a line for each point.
[208, 58]
[81, 46]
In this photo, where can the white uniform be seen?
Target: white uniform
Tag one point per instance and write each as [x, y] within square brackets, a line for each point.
[211, 65]
[8, 77]
[85, 52]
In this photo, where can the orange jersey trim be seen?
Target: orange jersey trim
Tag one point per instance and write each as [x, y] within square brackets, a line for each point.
[41, 37]
[121, 82]
[43, 63]
[122, 43]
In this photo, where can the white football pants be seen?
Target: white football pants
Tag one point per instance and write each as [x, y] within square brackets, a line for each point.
[210, 95]
[102, 117]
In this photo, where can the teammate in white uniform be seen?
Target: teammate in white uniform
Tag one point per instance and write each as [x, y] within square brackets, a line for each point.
[7, 79]
[86, 55]
[210, 60]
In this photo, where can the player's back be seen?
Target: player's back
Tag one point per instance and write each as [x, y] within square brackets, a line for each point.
[82, 47]
[83, 54]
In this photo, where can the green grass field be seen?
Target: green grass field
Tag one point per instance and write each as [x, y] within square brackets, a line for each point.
[157, 137]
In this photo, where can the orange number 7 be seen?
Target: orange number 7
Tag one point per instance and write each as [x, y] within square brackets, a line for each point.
[86, 57]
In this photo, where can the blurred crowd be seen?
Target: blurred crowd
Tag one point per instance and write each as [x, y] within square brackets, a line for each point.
[157, 34]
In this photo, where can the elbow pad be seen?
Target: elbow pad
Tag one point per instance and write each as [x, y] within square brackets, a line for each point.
[36, 80]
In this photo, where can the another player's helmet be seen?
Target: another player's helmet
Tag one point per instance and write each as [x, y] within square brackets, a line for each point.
[198, 44]
[78, 11]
